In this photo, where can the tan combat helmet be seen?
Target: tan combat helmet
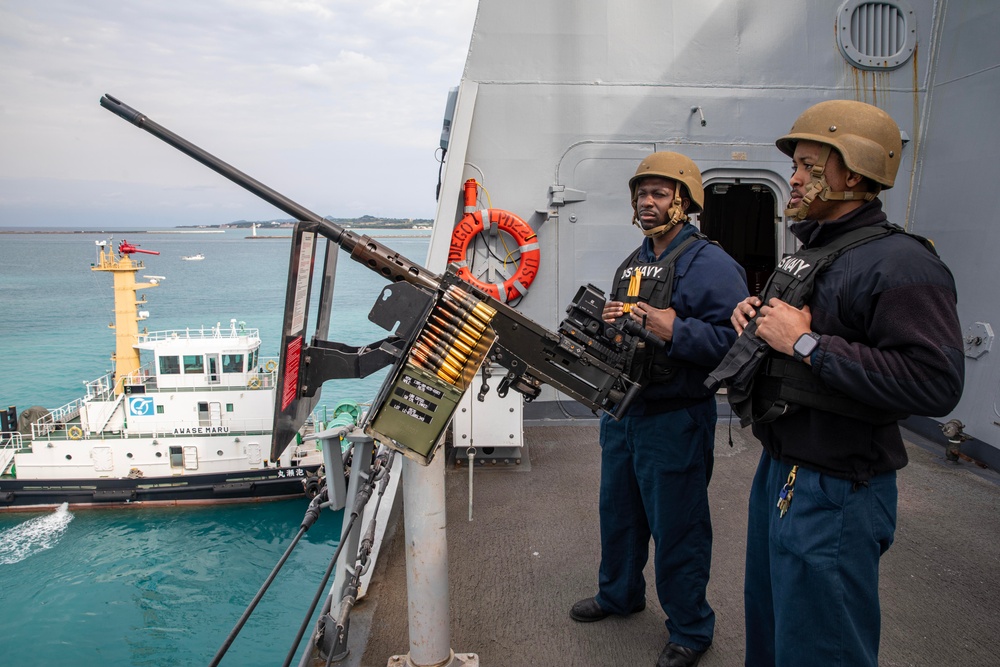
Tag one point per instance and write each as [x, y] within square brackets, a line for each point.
[677, 168]
[866, 137]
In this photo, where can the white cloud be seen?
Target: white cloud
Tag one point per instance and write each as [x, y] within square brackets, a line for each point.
[305, 94]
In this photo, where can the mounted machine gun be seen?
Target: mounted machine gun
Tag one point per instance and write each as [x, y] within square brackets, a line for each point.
[441, 331]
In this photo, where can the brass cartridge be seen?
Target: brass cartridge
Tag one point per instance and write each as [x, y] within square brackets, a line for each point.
[420, 360]
[450, 339]
[471, 304]
[438, 362]
[460, 313]
[466, 334]
[454, 355]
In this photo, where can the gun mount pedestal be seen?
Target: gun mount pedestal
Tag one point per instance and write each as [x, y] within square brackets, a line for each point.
[428, 608]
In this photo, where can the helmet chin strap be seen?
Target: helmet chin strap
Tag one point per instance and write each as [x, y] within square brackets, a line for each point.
[677, 215]
[818, 187]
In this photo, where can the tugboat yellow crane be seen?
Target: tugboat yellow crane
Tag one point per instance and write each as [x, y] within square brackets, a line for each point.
[126, 325]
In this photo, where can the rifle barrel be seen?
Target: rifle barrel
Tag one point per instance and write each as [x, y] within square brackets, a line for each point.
[224, 169]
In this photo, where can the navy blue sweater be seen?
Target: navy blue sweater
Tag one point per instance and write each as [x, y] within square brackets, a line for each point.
[708, 284]
[887, 314]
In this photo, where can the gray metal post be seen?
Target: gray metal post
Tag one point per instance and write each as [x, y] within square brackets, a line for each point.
[336, 645]
[342, 498]
[363, 446]
[426, 562]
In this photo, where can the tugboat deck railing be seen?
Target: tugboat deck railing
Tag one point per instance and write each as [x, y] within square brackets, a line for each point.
[10, 442]
[201, 333]
[162, 429]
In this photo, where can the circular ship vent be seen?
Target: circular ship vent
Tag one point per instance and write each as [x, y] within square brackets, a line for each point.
[876, 35]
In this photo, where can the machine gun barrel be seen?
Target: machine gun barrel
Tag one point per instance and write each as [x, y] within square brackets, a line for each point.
[392, 265]
[274, 198]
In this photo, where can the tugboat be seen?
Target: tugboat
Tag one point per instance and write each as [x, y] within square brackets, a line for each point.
[185, 417]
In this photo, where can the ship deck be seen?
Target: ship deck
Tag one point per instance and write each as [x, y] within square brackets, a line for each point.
[532, 550]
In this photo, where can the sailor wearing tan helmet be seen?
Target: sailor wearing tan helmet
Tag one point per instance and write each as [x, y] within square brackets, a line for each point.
[656, 461]
[863, 330]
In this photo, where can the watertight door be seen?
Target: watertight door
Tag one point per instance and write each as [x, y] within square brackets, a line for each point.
[213, 368]
[102, 459]
[215, 414]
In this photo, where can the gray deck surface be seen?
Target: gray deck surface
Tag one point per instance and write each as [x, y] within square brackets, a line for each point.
[532, 550]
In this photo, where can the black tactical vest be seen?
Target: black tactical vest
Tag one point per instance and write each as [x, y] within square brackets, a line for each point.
[762, 384]
[656, 288]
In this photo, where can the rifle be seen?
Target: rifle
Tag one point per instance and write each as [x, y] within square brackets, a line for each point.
[444, 330]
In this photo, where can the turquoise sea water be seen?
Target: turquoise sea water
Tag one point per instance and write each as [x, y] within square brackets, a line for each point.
[156, 586]
[54, 333]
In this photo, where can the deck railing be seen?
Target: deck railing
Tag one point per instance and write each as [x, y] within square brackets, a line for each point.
[10, 443]
[160, 429]
[201, 333]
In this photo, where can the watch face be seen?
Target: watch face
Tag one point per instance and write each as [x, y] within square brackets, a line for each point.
[805, 345]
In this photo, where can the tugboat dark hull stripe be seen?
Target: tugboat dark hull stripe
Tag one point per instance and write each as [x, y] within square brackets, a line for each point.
[243, 486]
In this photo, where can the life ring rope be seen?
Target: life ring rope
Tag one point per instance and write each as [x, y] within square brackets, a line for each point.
[491, 221]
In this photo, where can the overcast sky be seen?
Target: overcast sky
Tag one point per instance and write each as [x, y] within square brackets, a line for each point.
[337, 104]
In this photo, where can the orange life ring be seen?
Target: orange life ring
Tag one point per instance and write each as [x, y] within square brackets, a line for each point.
[527, 241]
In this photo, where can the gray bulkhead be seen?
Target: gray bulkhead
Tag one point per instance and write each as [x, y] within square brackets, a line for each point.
[560, 100]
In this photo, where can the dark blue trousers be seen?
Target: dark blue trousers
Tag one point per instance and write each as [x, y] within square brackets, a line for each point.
[811, 586]
[654, 482]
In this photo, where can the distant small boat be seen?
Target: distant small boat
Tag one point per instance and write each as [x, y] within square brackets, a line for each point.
[193, 258]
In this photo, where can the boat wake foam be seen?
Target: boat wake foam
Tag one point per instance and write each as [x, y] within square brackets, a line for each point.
[34, 535]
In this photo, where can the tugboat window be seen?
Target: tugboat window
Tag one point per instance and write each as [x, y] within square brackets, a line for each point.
[232, 363]
[176, 457]
[193, 364]
[170, 366]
